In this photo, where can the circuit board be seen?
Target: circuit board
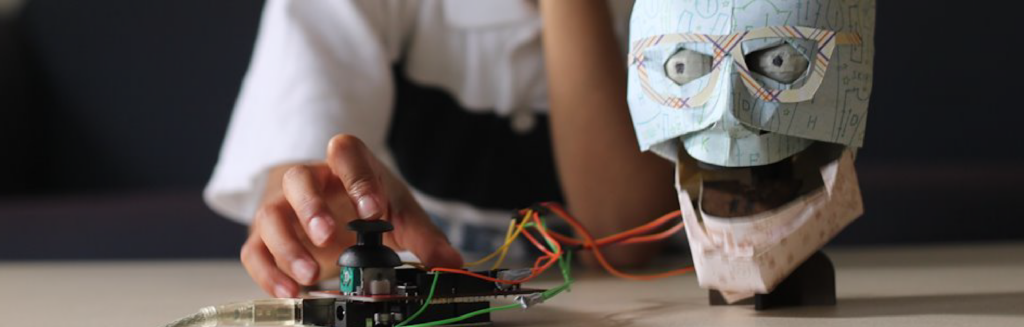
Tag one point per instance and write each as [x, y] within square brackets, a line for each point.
[454, 296]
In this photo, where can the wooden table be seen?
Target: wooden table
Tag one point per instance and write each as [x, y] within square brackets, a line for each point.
[970, 285]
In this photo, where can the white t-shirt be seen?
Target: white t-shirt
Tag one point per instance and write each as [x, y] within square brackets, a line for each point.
[323, 67]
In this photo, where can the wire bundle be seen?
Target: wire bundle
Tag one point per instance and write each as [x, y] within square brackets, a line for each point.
[554, 252]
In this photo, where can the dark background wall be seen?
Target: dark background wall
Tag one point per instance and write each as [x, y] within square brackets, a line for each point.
[123, 105]
[112, 113]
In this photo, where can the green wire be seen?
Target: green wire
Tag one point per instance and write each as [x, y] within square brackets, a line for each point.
[566, 269]
[426, 302]
[564, 265]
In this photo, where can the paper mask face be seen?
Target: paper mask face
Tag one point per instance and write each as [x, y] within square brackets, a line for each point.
[748, 84]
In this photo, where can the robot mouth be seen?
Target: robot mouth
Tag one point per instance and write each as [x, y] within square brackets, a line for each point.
[746, 191]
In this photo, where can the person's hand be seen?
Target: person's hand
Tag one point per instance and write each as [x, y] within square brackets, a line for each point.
[300, 229]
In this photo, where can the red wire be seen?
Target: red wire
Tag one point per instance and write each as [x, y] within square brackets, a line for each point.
[536, 243]
[553, 257]
[655, 237]
[545, 232]
[628, 237]
[589, 239]
[646, 228]
[625, 237]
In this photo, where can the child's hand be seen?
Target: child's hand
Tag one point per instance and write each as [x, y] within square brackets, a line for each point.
[299, 231]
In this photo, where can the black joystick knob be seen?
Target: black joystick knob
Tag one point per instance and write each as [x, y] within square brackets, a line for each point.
[369, 251]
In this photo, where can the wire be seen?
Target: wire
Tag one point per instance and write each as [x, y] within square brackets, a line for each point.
[268, 312]
[196, 319]
[563, 261]
[627, 235]
[553, 252]
[589, 239]
[566, 275]
[285, 311]
[508, 240]
[426, 302]
[537, 244]
[547, 238]
[655, 237]
[536, 271]
[504, 246]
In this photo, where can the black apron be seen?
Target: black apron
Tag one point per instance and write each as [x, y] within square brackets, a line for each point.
[449, 153]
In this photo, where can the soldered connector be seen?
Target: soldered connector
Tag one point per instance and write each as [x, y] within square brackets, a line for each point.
[528, 300]
[512, 274]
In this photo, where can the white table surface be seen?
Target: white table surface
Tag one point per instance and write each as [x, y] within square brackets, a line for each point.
[971, 285]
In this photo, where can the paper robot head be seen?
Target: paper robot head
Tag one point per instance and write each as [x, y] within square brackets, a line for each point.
[749, 83]
[771, 96]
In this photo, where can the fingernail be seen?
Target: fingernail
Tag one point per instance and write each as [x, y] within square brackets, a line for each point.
[320, 229]
[368, 207]
[303, 270]
[282, 291]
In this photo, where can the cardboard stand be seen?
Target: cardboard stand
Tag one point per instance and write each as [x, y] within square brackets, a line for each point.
[813, 283]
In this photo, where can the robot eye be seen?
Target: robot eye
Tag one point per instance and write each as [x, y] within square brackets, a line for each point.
[782, 63]
[686, 65]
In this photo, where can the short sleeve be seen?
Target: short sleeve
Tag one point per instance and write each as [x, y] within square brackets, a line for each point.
[319, 68]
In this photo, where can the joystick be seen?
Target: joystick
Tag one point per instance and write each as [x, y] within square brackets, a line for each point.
[368, 267]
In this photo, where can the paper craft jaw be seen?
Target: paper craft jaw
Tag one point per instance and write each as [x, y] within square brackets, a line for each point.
[743, 256]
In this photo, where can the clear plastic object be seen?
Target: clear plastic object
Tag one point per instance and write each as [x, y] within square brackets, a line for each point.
[270, 312]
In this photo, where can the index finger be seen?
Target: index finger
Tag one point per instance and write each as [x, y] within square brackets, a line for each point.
[352, 162]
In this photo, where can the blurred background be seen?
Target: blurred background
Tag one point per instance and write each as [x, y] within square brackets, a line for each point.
[112, 114]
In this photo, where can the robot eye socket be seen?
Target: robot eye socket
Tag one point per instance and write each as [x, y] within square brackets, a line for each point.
[686, 65]
[781, 63]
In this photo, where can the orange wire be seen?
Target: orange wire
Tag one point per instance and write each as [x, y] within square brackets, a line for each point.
[546, 233]
[646, 228]
[628, 237]
[625, 236]
[536, 272]
[565, 239]
[536, 243]
[553, 257]
[589, 239]
[655, 237]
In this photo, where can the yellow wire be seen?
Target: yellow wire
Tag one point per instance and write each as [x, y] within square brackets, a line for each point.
[504, 251]
[508, 242]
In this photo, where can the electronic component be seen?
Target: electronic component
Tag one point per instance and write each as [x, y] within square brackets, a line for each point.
[368, 267]
[529, 300]
[374, 293]
[454, 295]
[512, 274]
